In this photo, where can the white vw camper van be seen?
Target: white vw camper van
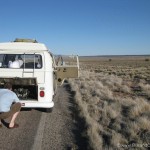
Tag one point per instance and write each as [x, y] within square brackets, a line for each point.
[34, 72]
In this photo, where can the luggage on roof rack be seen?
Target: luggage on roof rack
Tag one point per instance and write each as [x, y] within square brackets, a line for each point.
[25, 40]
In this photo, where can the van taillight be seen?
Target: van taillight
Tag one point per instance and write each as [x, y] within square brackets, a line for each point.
[42, 93]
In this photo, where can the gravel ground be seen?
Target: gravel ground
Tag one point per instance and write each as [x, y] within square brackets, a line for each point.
[59, 125]
[23, 137]
[59, 130]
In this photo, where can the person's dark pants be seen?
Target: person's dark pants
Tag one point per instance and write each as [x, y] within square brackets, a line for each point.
[14, 108]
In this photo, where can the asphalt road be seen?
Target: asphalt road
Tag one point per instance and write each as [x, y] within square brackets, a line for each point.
[39, 130]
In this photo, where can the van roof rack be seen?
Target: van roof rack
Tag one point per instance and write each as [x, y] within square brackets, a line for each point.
[25, 40]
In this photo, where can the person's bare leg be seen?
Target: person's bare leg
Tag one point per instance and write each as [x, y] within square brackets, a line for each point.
[12, 122]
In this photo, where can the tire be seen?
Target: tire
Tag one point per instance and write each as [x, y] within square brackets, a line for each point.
[49, 110]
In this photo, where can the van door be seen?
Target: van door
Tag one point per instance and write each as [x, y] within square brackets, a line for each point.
[66, 67]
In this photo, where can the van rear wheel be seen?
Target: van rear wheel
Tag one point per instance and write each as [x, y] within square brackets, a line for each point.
[49, 110]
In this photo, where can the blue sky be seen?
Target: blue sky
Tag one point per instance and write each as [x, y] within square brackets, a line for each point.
[83, 27]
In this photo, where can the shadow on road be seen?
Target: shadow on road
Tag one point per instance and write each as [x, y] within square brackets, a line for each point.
[38, 109]
[6, 124]
[79, 130]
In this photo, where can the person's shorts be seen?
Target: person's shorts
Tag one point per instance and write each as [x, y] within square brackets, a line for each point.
[14, 108]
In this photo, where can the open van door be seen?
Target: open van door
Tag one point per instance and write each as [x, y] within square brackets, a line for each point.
[66, 67]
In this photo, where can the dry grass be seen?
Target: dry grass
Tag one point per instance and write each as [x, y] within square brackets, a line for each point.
[114, 98]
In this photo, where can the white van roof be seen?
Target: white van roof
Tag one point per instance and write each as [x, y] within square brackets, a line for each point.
[22, 46]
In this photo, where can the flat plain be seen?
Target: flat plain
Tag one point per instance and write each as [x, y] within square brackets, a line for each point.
[113, 97]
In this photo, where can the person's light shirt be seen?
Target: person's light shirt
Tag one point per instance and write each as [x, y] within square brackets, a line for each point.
[15, 64]
[7, 97]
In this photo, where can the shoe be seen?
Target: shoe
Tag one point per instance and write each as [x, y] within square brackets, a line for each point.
[15, 126]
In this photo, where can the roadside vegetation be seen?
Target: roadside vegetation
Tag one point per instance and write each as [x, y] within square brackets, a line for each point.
[114, 99]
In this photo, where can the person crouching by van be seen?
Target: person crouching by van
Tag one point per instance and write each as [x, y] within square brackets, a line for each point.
[9, 105]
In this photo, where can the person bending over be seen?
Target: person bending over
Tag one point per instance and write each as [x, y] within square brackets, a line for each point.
[9, 105]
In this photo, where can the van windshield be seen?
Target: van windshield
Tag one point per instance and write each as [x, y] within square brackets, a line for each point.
[28, 61]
